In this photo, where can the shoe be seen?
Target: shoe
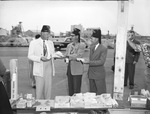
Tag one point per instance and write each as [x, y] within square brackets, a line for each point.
[33, 85]
[125, 85]
[112, 68]
[43, 113]
[131, 87]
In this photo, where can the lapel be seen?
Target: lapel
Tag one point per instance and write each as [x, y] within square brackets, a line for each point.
[40, 42]
[92, 50]
[95, 52]
[39, 45]
[73, 49]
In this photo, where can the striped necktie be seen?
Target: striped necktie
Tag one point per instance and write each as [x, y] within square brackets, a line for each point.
[44, 48]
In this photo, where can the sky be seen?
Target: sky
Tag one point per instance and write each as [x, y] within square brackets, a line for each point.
[60, 15]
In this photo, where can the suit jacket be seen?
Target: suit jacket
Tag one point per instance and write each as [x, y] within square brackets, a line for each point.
[2, 68]
[36, 52]
[97, 61]
[77, 67]
[131, 54]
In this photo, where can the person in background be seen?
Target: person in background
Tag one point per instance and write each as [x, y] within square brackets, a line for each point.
[113, 66]
[145, 49]
[147, 76]
[96, 61]
[5, 107]
[41, 52]
[132, 57]
[75, 68]
[31, 67]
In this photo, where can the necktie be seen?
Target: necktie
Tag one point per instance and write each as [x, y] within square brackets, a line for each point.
[44, 48]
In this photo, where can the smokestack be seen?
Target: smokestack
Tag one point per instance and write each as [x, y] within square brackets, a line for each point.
[132, 27]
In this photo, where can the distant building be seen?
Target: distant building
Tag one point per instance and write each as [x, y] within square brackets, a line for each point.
[3, 32]
[29, 33]
[68, 33]
[77, 26]
[88, 32]
[32, 33]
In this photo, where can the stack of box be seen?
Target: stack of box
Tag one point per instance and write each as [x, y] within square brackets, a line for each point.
[90, 100]
[21, 103]
[138, 99]
[62, 101]
[77, 100]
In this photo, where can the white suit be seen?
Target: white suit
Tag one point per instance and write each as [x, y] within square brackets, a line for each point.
[42, 70]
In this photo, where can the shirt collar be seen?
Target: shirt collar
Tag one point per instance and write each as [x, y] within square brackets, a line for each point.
[97, 44]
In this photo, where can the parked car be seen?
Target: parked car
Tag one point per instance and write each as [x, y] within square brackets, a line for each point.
[63, 42]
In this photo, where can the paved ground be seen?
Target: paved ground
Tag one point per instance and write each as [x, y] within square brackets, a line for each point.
[59, 86]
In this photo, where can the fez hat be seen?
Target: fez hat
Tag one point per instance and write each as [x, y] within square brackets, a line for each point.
[45, 28]
[76, 31]
[97, 34]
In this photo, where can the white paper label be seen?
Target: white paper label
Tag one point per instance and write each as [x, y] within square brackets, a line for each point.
[29, 96]
[43, 108]
[14, 77]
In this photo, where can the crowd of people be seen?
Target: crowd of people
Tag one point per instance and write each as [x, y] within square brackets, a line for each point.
[43, 65]
[41, 55]
[43, 68]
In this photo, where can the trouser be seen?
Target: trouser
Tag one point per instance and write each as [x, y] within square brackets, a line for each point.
[129, 73]
[97, 86]
[147, 79]
[5, 107]
[74, 82]
[43, 87]
[31, 71]
[44, 84]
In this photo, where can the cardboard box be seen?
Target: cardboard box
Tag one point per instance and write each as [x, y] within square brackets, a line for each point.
[138, 101]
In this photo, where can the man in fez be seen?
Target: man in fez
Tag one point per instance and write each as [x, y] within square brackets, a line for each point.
[97, 58]
[41, 52]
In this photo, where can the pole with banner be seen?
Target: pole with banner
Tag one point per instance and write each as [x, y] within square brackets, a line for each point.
[14, 78]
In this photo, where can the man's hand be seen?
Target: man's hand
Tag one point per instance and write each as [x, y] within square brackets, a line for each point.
[134, 62]
[86, 61]
[44, 59]
[7, 70]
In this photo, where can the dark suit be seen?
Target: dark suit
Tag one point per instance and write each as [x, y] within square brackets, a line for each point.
[5, 107]
[131, 56]
[2, 68]
[96, 72]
